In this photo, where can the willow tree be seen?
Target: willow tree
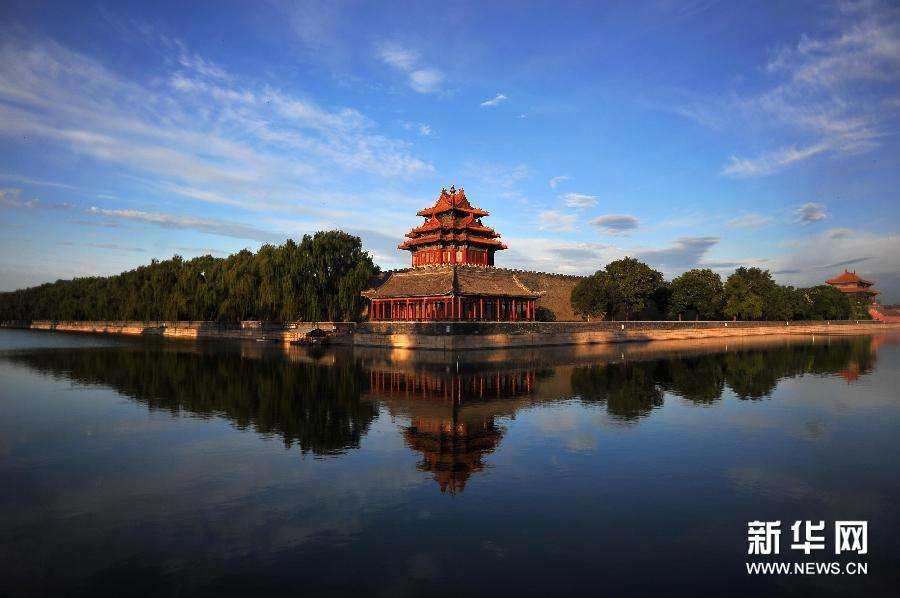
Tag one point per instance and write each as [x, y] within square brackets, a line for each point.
[319, 278]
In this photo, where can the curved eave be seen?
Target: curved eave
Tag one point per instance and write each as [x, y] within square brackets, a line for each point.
[438, 210]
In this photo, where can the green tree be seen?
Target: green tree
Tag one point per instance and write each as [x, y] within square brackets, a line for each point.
[740, 300]
[751, 294]
[544, 314]
[594, 296]
[635, 284]
[859, 308]
[828, 303]
[318, 279]
[699, 292]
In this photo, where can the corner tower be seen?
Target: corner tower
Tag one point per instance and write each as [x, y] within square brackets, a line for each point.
[452, 234]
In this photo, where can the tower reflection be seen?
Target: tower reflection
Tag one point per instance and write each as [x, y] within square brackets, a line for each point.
[452, 417]
[451, 408]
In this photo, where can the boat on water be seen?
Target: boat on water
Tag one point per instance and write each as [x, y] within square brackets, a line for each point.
[316, 336]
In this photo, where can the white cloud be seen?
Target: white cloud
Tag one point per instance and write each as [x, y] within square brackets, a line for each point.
[421, 128]
[685, 253]
[830, 94]
[810, 212]
[496, 180]
[398, 57]
[426, 80]
[565, 257]
[771, 162]
[553, 182]
[200, 128]
[814, 258]
[421, 78]
[580, 200]
[615, 224]
[12, 198]
[205, 225]
[494, 101]
[556, 221]
[749, 220]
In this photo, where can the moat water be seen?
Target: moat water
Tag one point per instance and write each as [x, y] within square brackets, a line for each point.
[155, 467]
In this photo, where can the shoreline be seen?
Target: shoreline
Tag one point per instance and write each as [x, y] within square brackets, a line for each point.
[456, 335]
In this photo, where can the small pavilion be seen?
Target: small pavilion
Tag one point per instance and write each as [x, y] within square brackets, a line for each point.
[452, 275]
[850, 282]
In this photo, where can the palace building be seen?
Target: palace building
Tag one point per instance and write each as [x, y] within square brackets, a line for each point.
[850, 282]
[453, 276]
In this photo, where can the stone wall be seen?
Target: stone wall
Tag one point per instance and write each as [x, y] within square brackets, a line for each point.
[557, 290]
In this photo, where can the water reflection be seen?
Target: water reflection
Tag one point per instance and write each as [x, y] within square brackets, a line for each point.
[452, 406]
[308, 404]
[452, 416]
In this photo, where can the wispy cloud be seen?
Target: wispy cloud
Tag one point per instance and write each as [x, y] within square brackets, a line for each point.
[555, 221]
[200, 128]
[580, 200]
[204, 225]
[686, 252]
[108, 246]
[615, 224]
[420, 77]
[494, 101]
[421, 128]
[810, 212]
[12, 198]
[829, 94]
[557, 180]
[814, 258]
[749, 220]
[551, 255]
[771, 162]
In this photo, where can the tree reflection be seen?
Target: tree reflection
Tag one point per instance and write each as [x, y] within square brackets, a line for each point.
[316, 407]
[629, 390]
[452, 411]
[698, 379]
[754, 374]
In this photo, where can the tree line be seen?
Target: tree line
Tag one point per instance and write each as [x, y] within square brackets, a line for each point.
[628, 288]
[318, 279]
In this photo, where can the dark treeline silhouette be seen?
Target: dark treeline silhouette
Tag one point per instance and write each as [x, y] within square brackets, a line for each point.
[315, 407]
[318, 279]
[629, 288]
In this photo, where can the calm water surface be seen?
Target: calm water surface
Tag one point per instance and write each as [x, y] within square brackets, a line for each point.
[132, 466]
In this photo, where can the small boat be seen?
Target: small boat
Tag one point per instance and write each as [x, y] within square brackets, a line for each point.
[316, 336]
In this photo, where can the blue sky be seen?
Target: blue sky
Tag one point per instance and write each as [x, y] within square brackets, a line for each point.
[688, 134]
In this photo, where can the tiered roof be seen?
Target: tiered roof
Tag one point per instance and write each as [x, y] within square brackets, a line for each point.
[434, 281]
[452, 220]
[847, 277]
[850, 282]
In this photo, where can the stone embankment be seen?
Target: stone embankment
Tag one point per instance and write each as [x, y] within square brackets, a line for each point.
[485, 335]
[468, 335]
[195, 330]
